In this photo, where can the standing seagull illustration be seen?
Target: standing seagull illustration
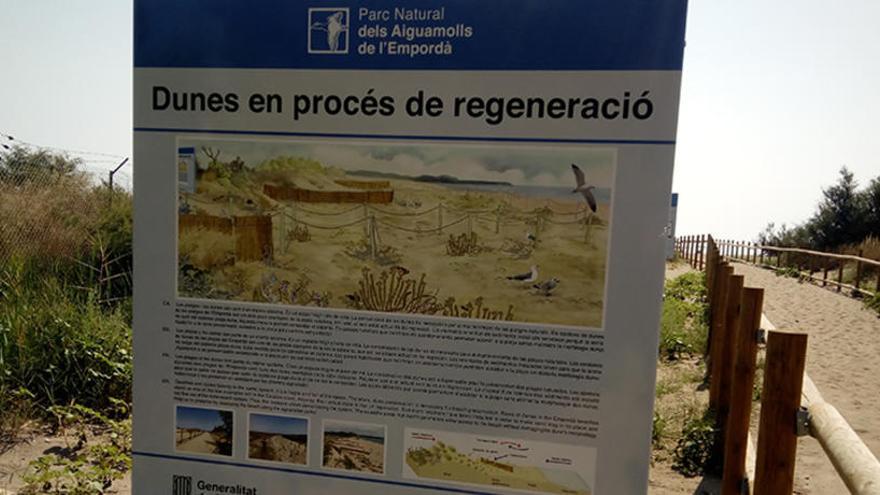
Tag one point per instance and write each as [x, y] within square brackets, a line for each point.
[583, 188]
[531, 276]
[547, 287]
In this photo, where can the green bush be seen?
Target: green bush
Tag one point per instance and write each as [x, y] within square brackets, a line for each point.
[693, 452]
[873, 302]
[101, 454]
[658, 430]
[684, 320]
[59, 343]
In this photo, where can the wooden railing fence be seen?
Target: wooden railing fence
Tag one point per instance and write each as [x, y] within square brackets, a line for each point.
[791, 405]
[824, 268]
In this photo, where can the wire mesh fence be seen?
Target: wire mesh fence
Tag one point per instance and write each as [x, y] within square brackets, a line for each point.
[56, 210]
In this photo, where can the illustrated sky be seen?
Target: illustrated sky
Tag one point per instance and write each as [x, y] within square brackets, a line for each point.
[776, 98]
[517, 165]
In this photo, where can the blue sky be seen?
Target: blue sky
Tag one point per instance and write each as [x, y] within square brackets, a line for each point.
[282, 425]
[197, 417]
[776, 97]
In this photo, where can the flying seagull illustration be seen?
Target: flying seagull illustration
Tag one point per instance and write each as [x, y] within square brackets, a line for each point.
[547, 286]
[583, 188]
[531, 276]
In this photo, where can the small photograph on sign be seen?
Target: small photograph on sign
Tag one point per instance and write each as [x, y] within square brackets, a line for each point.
[328, 30]
[354, 446]
[507, 233]
[518, 464]
[278, 438]
[203, 431]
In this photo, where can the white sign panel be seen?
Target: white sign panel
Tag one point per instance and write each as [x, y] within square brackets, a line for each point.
[400, 247]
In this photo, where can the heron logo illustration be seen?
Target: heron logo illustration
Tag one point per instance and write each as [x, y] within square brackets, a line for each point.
[328, 30]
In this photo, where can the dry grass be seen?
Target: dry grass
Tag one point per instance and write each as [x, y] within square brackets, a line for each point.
[393, 291]
[869, 248]
[50, 220]
[206, 249]
[463, 244]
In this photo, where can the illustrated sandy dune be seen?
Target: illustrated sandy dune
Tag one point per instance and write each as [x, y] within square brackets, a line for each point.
[445, 463]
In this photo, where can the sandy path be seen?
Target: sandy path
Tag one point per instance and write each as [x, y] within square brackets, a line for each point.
[843, 359]
[202, 444]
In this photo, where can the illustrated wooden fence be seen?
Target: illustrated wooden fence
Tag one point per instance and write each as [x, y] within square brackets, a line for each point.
[253, 234]
[186, 223]
[791, 405]
[288, 193]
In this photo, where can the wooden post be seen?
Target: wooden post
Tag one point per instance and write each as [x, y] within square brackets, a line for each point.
[855, 463]
[691, 251]
[839, 275]
[824, 271]
[722, 376]
[253, 238]
[687, 248]
[719, 311]
[700, 247]
[859, 271]
[780, 400]
[373, 238]
[737, 433]
[710, 272]
[761, 253]
[440, 218]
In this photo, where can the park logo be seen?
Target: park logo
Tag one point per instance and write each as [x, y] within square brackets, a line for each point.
[181, 485]
[328, 30]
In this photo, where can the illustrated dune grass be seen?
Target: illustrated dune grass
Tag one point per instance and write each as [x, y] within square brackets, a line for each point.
[460, 239]
[444, 462]
[393, 291]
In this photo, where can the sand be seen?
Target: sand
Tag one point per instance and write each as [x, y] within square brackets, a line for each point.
[33, 441]
[842, 359]
[353, 453]
[275, 447]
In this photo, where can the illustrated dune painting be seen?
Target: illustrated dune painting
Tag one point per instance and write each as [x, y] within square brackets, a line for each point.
[508, 233]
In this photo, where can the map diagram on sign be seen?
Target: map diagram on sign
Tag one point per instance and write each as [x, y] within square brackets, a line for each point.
[527, 465]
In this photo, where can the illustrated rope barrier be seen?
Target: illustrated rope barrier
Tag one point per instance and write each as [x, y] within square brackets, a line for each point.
[326, 227]
[404, 214]
[326, 214]
[422, 231]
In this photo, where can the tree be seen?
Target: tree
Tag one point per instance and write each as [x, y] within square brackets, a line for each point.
[21, 166]
[870, 201]
[839, 219]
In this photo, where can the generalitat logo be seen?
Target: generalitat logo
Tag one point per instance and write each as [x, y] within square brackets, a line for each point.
[181, 485]
[328, 30]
